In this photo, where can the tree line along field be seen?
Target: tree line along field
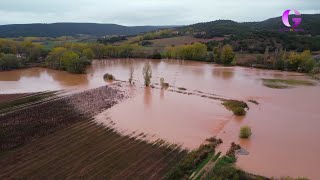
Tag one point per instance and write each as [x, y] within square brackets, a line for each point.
[57, 139]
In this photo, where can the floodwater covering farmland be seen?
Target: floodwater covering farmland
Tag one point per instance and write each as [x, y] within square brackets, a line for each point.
[285, 123]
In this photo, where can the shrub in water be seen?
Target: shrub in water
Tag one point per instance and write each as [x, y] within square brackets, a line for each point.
[109, 77]
[245, 132]
[239, 111]
[237, 107]
[131, 75]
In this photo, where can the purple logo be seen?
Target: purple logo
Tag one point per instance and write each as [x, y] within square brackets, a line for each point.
[285, 19]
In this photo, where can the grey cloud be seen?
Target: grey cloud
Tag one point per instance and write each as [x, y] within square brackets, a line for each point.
[146, 12]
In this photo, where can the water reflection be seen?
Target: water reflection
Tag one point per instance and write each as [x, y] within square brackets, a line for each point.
[224, 73]
[147, 97]
[66, 79]
[16, 75]
[162, 94]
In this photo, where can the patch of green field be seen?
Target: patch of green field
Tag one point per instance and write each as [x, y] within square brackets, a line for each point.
[285, 83]
[216, 156]
[193, 161]
[225, 169]
[200, 166]
[237, 107]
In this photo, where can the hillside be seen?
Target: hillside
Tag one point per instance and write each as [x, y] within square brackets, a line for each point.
[72, 29]
[310, 23]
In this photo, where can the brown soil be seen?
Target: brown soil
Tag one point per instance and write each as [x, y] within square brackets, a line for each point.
[10, 97]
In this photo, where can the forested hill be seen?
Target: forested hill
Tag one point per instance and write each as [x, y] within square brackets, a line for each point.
[72, 29]
[310, 23]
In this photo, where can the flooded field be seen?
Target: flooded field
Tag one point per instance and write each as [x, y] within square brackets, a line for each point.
[285, 123]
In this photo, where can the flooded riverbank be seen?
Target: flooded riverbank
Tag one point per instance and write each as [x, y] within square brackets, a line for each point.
[284, 124]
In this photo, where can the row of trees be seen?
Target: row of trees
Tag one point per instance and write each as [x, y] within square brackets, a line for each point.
[73, 57]
[221, 54]
[26, 49]
[196, 51]
[293, 61]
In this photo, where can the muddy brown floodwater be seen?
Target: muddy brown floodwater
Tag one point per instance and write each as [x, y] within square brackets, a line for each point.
[285, 124]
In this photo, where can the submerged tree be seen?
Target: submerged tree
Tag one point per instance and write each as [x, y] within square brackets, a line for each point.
[161, 82]
[131, 74]
[147, 74]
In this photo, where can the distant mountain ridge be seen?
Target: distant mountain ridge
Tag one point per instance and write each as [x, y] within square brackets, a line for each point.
[310, 23]
[72, 29]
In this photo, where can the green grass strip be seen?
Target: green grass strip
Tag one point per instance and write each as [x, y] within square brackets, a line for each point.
[204, 163]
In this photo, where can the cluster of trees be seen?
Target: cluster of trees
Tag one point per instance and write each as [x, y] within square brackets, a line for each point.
[15, 54]
[196, 51]
[25, 49]
[65, 59]
[288, 61]
[224, 55]
[294, 61]
[9, 62]
[73, 57]
[257, 42]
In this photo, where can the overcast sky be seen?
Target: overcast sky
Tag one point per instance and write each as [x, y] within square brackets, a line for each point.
[147, 12]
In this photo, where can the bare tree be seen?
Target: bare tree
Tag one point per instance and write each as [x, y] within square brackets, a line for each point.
[131, 74]
[147, 74]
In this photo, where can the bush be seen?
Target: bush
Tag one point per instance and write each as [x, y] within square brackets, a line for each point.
[245, 132]
[237, 107]
[308, 65]
[108, 77]
[239, 111]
